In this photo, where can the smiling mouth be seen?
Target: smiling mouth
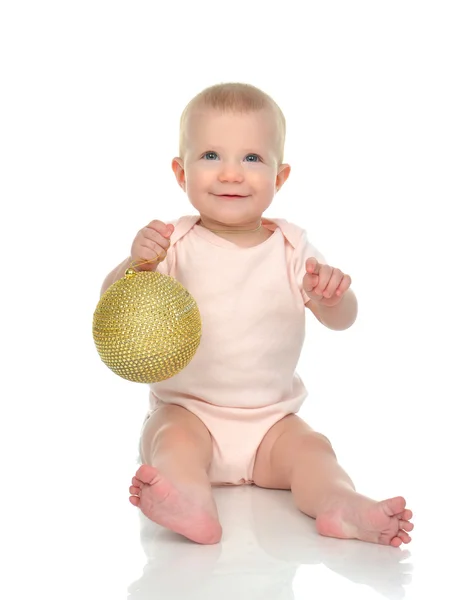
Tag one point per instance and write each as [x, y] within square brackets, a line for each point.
[230, 196]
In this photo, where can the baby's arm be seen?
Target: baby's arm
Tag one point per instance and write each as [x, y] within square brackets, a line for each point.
[338, 317]
[343, 311]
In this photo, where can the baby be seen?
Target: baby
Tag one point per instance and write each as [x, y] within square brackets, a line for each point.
[229, 417]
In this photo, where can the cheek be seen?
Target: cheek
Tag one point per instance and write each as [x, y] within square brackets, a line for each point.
[266, 184]
[199, 183]
[199, 177]
[263, 177]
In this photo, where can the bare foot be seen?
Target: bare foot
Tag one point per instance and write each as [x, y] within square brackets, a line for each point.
[357, 517]
[188, 512]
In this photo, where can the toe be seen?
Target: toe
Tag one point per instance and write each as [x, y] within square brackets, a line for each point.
[134, 491]
[407, 515]
[136, 482]
[406, 525]
[135, 500]
[394, 506]
[405, 538]
[147, 474]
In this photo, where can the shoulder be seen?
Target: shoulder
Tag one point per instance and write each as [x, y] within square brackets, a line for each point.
[182, 226]
[293, 233]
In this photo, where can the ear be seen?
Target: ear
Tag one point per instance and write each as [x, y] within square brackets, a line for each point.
[282, 175]
[178, 168]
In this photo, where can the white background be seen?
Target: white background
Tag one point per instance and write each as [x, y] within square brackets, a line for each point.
[377, 98]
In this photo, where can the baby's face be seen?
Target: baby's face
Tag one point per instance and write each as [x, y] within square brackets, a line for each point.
[230, 165]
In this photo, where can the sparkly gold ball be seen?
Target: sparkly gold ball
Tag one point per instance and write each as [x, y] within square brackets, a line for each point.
[146, 327]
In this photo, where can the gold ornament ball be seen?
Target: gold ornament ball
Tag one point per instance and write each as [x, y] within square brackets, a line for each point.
[146, 327]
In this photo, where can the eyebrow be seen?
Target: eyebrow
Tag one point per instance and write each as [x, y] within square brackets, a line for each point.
[246, 151]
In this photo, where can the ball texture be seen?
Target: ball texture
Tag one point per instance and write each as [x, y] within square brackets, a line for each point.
[146, 327]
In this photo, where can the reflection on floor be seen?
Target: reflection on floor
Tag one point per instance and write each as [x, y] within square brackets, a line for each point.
[269, 550]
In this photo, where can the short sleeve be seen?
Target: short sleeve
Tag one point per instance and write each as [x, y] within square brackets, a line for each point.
[302, 251]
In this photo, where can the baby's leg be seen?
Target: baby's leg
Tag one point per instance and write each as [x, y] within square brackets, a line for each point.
[172, 487]
[293, 456]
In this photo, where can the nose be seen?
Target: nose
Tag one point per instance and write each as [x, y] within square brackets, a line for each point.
[230, 172]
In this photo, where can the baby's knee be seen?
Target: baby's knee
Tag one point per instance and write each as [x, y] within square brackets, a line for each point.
[173, 434]
[316, 441]
[173, 430]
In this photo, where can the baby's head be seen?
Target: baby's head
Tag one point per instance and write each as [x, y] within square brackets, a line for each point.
[231, 151]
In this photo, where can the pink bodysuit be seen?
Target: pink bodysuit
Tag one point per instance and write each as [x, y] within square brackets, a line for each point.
[242, 379]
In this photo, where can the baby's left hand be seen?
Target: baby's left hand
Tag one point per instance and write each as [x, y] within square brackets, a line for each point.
[324, 284]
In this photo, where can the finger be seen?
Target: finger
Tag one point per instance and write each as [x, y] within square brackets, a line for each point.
[325, 276]
[170, 229]
[164, 229]
[151, 252]
[309, 282]
[157, 238]
[312, 265]
[333, 284]
[344, 285]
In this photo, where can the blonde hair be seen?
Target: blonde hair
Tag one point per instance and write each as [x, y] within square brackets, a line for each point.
[235, 97]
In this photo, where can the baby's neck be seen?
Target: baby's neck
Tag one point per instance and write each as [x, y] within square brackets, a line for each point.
[247, 240]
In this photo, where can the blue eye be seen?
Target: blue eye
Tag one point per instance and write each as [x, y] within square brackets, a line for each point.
[211, 155]
[210, 152]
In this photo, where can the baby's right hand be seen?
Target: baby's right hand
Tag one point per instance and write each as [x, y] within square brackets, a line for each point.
[151, 243]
